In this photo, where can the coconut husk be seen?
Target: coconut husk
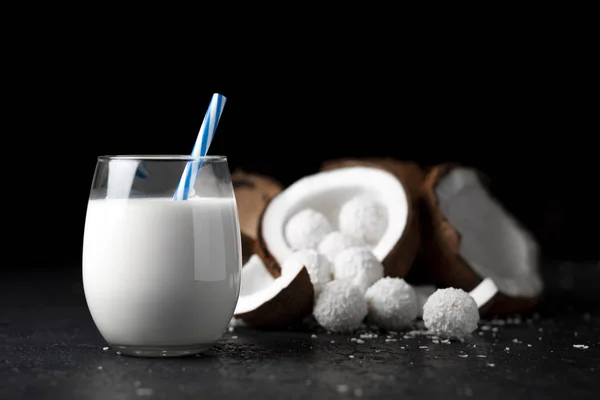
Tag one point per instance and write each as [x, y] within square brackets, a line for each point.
[252, 193]
[248, 247]
[263, 252]
[399, 261]
[440, 249]
[290, 305]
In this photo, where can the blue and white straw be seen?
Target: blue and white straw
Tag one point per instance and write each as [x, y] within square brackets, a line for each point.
[205, 136]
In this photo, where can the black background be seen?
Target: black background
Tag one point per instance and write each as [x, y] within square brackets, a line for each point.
[526, 116]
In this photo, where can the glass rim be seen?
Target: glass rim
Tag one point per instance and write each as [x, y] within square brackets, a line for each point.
[161, 157]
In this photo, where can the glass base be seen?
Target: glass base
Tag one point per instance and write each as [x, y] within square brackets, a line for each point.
[161, 351]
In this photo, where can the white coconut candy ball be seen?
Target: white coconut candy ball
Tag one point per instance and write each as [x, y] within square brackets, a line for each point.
[335, 242]
[317, 265]
[341, 306]
[358, 264]
[305, 229]
[392, 304]
[363, 217]
[451, 313]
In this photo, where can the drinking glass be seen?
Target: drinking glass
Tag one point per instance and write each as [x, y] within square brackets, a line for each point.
[161, 275]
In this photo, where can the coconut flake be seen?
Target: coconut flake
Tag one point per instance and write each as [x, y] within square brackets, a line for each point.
[335, 242]
[359, 264]
[451, 312]
[305, 229]
[392, 303]
[341, 306]
[364, 217]
[317, 265]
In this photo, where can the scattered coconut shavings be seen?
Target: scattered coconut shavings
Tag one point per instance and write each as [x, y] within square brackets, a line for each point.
[333, 341]
[391, 340]
[463, 355]
[485, 327]
[105, 348]
[363, 217]
[581, 346]
[515, 340]
[230, 329]
[435, 341]
[340, 307]
[359, 341]
[305, 229]
[350, 356]
[335, 242]
[118, 353]
[451, 312]
[491, 365]
[507, 348]
[353, 339]
[368, 335]
[446, 341]
[100, 367]
[495, 329]
[481, 355]
[392, 303]
[423, 347]
[528, 345]
[234, 337]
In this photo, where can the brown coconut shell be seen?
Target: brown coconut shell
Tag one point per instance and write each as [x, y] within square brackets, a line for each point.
[290, 305]
[252, 193]
[399, 261]
[248, 247]
[440, 249]
[263, 251]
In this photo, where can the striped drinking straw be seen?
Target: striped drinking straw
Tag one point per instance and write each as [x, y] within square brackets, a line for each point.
[205, 136]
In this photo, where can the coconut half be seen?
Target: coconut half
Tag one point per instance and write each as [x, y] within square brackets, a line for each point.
[469, 236]
[252, 193]
[268, 301]
[401, 258]
[326, 192]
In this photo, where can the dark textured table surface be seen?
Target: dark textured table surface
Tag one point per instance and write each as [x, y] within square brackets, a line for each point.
[50, 348]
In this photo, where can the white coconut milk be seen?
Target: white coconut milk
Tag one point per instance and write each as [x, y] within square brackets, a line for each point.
[158, 272]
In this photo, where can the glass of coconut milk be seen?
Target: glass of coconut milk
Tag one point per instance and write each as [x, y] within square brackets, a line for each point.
[161, 276]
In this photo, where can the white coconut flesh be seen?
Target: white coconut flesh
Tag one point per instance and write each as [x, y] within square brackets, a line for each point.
[326, 192]
[259, 286]
[492, 241]
[484, 292]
